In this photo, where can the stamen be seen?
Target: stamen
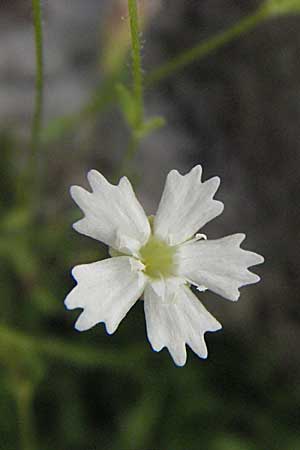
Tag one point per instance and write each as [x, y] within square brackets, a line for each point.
[158, 258]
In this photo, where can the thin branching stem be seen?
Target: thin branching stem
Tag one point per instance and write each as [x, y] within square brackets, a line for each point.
[137, 72]
[128, 156]
[31, 178]
[39, 80]
[202, 49]
[24, 397]
[171, 67]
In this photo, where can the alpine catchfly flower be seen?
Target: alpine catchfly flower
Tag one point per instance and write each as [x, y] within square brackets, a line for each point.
[157, 258]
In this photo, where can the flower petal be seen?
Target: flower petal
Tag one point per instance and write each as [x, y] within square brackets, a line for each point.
[186, 205]
[220, 265]
[106, 291]
[177, 319]
[113, 214]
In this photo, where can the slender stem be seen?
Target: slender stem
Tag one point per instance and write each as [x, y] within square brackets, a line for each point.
[23, 395]
[196, 53]
[31, 177]
[172, 66]
[129, 154]
[39, 81]
[136, 60]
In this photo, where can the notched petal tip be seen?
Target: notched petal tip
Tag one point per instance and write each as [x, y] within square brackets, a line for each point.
[72, 189]
[197, 170]
[234, 296]
[124, 182]
[76, 270]
[156, 347]
[202, 351]
[253, 277]
[93, 173]
[186, 205]
[94, 177]
[78, 225]
[179, 357]
[239, 237]
[68, 303]
[98, 182]
[77, 192]
[255, 257]
[214, 181]
[110, 327]
[84, 322]
[259, 259]
[219, 207]
[173, 174]
[70, 300]
[217, 326]
[180, 363]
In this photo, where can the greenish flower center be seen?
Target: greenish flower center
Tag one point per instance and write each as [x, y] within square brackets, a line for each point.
[158, 258]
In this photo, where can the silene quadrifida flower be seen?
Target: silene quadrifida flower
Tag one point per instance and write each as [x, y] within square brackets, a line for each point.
[157, 258]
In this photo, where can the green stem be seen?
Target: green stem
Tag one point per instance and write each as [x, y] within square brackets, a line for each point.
[39, 81]
[198, 52]
[128, 156]
[31, 178]
[177, 63]
[137, 72]
[23, 395]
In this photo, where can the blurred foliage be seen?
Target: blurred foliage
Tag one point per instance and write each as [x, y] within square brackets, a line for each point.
[65, 390]
[282, 6]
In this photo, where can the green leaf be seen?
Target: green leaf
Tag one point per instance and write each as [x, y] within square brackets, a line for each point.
[151, 125]
[128, 105]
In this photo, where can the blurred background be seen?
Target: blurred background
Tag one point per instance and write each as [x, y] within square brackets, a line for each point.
[236, 111]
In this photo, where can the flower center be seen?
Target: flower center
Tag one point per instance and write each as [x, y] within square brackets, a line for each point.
[158, 258]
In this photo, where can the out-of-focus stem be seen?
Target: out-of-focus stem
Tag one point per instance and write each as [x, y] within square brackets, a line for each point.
[29, 181]
[39, 80]
[129, 154]
[23, 395]
[137, 72]
[199, 51]
[184, 59]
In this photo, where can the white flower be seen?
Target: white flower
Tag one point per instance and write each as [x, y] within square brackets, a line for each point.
[157, 258]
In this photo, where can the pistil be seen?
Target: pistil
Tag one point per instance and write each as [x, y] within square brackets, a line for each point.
[158, 258]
